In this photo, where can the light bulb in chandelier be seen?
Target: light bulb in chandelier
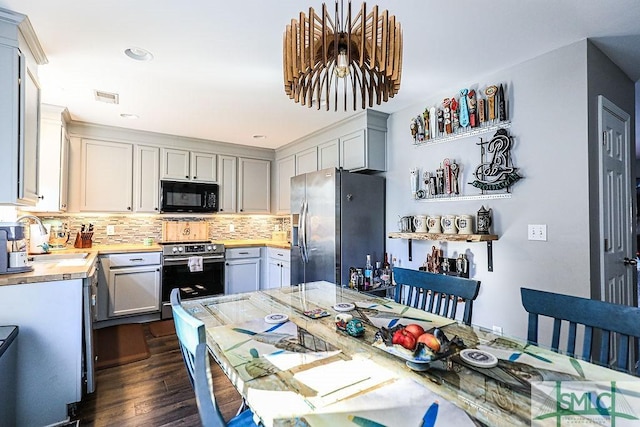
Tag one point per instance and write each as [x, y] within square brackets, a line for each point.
[342, 64]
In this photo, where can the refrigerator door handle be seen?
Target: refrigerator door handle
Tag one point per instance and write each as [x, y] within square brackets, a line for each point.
[301, 227]
[305, 221]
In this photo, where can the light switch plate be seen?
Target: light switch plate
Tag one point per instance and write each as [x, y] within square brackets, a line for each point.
[111, 230]
[537, 232]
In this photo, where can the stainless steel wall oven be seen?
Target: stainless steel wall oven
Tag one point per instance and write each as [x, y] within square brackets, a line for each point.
[197, 269]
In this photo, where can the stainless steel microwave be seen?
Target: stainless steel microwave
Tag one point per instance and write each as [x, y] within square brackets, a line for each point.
[188, 197]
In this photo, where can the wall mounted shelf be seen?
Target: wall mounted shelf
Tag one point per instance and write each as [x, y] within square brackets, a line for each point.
[463, 198]
[465, 133]
[441, 237]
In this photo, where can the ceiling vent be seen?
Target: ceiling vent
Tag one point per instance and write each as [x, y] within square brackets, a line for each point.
[108, 97]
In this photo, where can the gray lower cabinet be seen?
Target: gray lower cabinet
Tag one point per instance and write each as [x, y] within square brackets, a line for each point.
[278, 268]
[242, 270]
[132, 284]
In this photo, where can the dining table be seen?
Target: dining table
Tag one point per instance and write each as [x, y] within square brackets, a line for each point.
[294, 365]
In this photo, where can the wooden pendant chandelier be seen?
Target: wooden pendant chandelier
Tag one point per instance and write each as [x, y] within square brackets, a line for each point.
[326, 60]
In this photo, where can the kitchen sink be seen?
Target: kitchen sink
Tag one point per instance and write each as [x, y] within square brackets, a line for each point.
[58, 257]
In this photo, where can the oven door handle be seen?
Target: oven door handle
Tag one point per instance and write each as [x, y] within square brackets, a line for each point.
[172, 261]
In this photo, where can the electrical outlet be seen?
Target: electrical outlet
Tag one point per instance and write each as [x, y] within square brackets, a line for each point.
[497, 330]
[537, 232]
[232, 228]
[111, 230]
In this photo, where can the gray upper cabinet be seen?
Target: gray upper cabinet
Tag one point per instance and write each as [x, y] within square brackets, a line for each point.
[364, 149]
[329, 155]
[146, 179]
[254, 178]
[20, 55]
[106, 179]
[285, 169]
[307, 161]
[227, 177]
[185, 165]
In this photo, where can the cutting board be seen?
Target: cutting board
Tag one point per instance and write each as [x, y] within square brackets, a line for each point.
[185, 231]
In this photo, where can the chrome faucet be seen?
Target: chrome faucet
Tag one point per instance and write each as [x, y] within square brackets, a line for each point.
[43, 230]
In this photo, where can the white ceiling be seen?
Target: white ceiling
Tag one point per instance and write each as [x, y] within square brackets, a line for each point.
[217, 71]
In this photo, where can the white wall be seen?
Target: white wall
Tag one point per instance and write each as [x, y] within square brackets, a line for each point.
[547, 103]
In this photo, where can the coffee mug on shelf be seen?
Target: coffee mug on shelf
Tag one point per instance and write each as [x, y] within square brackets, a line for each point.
[464, 223]
[433, 224]
[420, 223]
[405, 224]
[449, 224]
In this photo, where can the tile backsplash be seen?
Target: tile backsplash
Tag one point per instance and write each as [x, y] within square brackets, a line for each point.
[134, 228]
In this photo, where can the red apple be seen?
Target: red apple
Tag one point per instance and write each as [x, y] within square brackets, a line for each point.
[414, 329]
[404, 338]
[430, 341]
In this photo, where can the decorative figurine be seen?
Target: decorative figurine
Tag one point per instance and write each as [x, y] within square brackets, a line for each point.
[341, 321]
[464, 111]
[440, 180]
[446, 107]
[425, 117]
[462, 265]
[473, 115]
[483, 221]
[433, 260]
[413, 126]
[447, 175]
[415, 181]
[455, 171]
[440, 121]
[497, 173]
[491, 101]
[355, 328]
[481, 111]
[454, 115]
[420, 128]
[434, 119]
[502, 108]
[426, 177]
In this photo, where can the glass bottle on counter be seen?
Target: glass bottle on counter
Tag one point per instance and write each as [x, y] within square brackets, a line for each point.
[385, 274]
[368, 274]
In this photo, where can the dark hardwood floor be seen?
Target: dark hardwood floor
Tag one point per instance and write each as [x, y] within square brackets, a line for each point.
[152, 392]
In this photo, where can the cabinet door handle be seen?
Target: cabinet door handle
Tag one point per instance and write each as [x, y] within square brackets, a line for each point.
[243, 253]
[187, 176]
[128, 208]
[41, 197]
[195, 177]
[226, 263]
[136, 259]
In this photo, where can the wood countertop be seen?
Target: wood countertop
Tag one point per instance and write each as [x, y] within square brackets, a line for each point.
[61, 267]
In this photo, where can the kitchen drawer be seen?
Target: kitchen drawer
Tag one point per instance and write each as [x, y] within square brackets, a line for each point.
[237, 253]
[281, 254]
[134, 259]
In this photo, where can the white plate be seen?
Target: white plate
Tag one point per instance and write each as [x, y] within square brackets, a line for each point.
[478, 358]
[344, 306]
[276, 318]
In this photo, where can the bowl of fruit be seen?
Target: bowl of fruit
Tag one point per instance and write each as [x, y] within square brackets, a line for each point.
[419, 347]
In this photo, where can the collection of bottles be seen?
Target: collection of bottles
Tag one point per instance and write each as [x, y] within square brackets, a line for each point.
[370, 277]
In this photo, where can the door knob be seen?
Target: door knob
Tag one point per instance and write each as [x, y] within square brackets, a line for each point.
[630, 261]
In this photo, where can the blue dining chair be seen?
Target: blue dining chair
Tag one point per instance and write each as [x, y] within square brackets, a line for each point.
[190, 332]
[207, 407]
[602, 321]
[435, 293]
[191, 336]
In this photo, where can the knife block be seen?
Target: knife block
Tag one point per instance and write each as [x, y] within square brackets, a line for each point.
[83, 240]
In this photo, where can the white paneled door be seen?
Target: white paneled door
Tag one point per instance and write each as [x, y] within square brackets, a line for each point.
[618, 267]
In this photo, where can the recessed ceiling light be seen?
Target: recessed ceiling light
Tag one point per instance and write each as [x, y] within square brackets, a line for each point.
[139, 54]
[259, 136]
[129, 116]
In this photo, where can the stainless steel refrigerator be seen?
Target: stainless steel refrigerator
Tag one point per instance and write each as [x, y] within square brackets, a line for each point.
[337, 218]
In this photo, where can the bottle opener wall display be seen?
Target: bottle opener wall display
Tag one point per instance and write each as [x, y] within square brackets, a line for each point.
[496, 170]
[458, 115]
[443, 182]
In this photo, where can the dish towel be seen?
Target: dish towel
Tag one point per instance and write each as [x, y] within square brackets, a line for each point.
[195, 263]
